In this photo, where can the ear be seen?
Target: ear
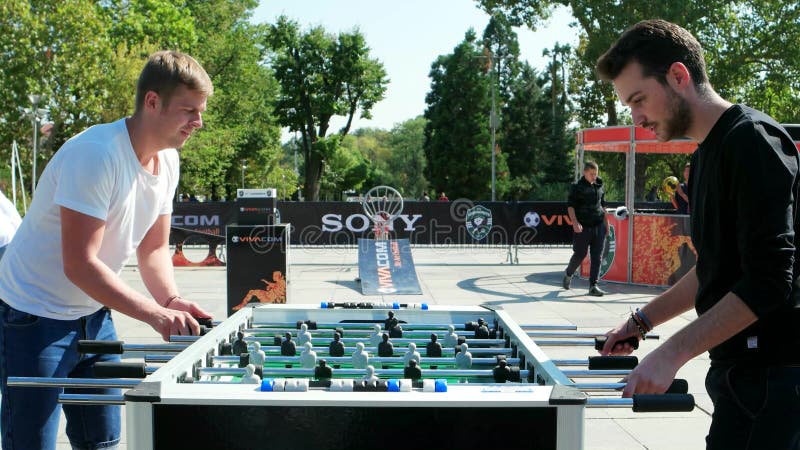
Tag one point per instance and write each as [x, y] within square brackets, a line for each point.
[152, 100]
[678, 76]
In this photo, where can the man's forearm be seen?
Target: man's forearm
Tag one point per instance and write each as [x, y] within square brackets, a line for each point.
[674, 301]
[99, 282]
[728, 317]
[158, 274]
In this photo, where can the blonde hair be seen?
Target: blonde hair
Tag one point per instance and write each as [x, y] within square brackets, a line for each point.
[168, 69]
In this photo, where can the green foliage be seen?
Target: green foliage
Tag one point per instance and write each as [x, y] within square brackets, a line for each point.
[750, 48]
[321, 75]
[457, 136]
[84, 57]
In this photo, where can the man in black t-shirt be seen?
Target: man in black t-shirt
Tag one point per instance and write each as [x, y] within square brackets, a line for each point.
[743, 192]
[585, 205]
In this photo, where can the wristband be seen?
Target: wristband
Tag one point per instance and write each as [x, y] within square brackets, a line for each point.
[639, 326]
[645, 321]
[171, 299]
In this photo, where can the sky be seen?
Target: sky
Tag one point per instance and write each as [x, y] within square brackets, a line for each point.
[407, 36]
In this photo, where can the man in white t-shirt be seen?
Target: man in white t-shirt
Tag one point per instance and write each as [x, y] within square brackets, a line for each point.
[105, 195]
[9, 222]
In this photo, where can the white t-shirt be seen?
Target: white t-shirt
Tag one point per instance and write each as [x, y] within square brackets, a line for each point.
[9, 220]
[95, 173]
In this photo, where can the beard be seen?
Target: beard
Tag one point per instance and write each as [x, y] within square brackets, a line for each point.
[679, 120]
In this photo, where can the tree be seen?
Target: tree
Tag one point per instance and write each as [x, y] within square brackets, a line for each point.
[321, 75]
[457, 141]
[406, 165]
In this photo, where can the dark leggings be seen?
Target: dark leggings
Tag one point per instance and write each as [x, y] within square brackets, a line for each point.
[592, 239]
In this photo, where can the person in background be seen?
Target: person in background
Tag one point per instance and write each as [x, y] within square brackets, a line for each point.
[9, 222]
[443, 197]
[680, 199]
[585, 206]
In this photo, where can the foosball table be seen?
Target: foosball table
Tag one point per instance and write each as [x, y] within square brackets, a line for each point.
[362, 376]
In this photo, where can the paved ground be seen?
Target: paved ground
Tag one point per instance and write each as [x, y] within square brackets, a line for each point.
[530, 291]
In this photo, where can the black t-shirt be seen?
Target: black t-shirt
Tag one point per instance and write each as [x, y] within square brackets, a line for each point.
[588, 200]
[743, 190]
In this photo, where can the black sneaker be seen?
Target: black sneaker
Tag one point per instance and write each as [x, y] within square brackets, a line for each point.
[566, 282]
[596, 291]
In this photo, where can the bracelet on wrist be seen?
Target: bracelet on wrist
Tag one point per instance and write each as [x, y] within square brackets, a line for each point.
[638, 325]
[171, 299]
[648, 325]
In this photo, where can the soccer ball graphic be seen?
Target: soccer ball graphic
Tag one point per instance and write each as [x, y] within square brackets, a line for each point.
[532, 219]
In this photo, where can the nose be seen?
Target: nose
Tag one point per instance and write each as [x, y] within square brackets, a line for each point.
[638, 117]
[197, 121]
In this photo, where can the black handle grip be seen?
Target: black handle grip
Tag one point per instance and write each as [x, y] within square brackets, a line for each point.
[612, 362]
[600, 341]
[678, 386]
[205, 321]
[100, 347]
[663, 402]
[119, 370]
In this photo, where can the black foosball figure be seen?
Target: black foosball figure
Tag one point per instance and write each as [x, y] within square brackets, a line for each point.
[385, 348]
[482, 331]
[322, 371]
[239, 345]
[411, 371]
[501, 371]
[288, 347]
[393, 326]
[433, 349]
[336, 348]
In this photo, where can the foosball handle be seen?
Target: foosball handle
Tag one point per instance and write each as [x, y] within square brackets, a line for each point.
[663, 402]
[205, 321]
[119, 370]
[100, 347]
[678, 386]
[612, 362]
[600, 341]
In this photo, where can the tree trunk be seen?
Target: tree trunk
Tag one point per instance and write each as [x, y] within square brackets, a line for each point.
[314, 167]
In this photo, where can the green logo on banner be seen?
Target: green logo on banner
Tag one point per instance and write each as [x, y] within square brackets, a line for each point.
[609, 249]
[479, 222]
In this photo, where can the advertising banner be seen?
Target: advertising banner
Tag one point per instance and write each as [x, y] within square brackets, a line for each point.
[258, 262]
[662, 249]
[386, 267]
[459, 222]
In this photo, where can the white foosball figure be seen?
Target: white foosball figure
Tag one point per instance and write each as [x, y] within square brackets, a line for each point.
[257, 355]
[376, 338]
[464, 358]
[303, 335]
[250, 376]
[369, 375]
[411, 354]
[360, 357]
[308, 357]
[451, 338]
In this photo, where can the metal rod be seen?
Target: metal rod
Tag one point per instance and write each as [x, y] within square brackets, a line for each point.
[91, 399]
[72, 382]
[595, 373]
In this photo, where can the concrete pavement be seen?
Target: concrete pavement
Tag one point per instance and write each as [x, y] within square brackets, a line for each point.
[531, 291]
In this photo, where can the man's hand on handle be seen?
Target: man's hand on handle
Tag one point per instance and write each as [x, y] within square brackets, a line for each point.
[178, 319]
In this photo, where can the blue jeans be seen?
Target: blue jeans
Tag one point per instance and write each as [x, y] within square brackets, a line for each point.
[754, 407]
[33, 346]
